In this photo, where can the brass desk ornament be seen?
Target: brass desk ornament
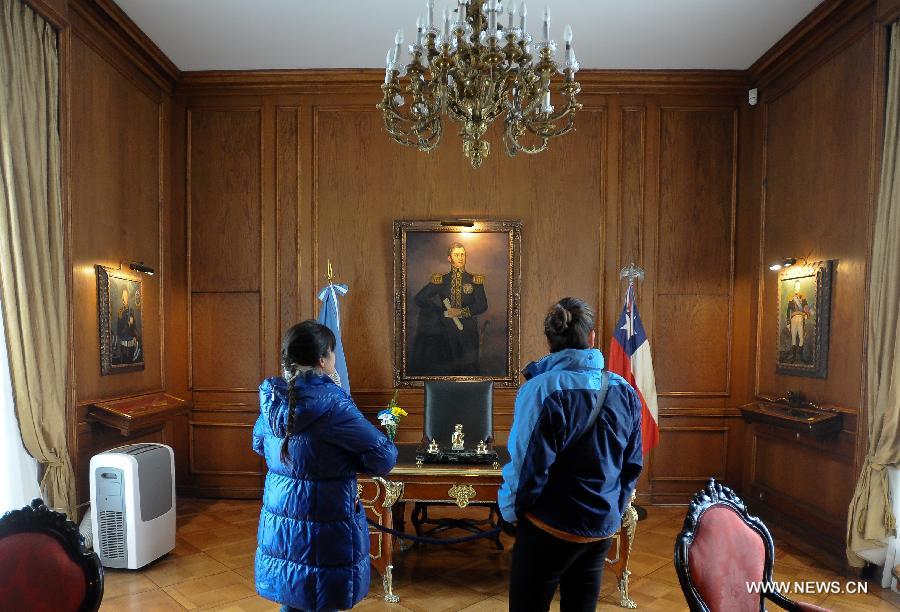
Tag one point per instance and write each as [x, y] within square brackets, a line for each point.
[457, 439]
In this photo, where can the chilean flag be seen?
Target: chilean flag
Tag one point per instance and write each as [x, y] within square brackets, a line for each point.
[629, 357]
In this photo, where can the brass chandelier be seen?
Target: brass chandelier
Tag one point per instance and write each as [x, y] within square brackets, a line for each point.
[475, 70]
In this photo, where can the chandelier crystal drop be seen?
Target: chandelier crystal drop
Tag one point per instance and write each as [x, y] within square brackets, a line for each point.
[474, 69]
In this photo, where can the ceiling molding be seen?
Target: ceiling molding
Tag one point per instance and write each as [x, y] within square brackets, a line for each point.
[688, 82]
[112, 22]
[812, 31]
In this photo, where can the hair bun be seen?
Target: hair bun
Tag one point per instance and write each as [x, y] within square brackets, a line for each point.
[560, 319]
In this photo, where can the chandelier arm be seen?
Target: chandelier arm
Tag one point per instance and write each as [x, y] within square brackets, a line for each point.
[513, 144]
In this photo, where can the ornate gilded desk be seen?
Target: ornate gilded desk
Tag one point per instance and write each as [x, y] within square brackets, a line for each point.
[462, 485]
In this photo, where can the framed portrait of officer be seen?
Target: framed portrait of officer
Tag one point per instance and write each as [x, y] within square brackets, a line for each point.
[120, 305]
[456, 301]
[804, 311]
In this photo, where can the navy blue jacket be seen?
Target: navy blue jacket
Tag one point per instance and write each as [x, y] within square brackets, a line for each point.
[577, 485]
[313, 550]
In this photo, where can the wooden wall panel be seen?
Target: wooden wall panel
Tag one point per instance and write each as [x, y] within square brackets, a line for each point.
[823, 175]
[225, 341]
[694, 467]
[225, 179]
[692, 344]
[213, 446]
[631, 170]
[695, 251]
[115, 202]
[287, 176]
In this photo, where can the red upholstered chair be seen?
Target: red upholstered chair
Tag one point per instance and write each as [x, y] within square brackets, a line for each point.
[720, 550]
[44, 564]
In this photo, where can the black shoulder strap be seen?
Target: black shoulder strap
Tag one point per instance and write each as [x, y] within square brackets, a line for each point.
[598, 406]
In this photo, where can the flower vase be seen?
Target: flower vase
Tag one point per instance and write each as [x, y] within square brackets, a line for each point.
[391, 430]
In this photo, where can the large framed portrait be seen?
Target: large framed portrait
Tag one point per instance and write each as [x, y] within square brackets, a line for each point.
[456, 301]
[119, 304]
[804, 312]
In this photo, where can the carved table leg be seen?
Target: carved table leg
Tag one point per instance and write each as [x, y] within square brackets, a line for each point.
[629, 524]
[389, 493]
[621, 549]
[388, 581]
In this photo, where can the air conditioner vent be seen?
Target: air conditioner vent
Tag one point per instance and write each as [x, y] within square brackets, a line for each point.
[112, 534]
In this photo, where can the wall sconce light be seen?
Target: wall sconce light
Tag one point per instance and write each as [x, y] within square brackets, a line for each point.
[784, 263]
[138, 266]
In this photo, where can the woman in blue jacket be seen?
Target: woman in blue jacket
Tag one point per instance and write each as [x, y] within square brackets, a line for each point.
[575, 457]
[313, 551]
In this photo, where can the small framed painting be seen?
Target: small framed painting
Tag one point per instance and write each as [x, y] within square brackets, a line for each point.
[804, 313]
[119, 300]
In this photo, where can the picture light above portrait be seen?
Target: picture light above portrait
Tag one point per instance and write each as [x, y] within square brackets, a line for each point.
[786, 262]
[138, 266]
[459, 223]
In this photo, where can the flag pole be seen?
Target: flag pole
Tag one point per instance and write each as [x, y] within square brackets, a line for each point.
[633, 272]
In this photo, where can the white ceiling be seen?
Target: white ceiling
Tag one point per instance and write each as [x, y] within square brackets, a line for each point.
[617, 34]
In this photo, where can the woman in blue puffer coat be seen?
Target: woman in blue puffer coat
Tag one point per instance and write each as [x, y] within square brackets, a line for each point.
[313, 551]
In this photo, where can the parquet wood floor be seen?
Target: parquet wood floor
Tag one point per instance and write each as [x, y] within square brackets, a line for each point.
[212, 569]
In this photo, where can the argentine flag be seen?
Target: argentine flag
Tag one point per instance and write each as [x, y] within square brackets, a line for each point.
[330, 317]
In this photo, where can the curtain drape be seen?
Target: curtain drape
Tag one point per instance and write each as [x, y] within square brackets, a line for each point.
[871, 518]
[32, 268]
[19, 483]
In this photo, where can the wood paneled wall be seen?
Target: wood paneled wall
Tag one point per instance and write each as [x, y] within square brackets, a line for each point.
[286, 170]
[817, 158]
[116, 115]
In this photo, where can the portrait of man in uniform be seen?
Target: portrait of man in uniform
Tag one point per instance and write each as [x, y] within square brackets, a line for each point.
[456, 317]
[446, 339]
[804, 304]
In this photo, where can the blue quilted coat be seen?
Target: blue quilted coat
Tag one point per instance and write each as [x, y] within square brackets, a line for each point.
[313, 550]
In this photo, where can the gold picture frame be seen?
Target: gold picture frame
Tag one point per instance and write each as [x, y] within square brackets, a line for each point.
[482, 342]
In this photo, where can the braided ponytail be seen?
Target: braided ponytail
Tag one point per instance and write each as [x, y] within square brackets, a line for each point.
[292, 401]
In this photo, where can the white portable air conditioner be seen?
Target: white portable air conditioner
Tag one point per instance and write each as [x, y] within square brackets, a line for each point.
[133, 504]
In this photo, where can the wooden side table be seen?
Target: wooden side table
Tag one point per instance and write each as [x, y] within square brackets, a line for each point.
[137, 413]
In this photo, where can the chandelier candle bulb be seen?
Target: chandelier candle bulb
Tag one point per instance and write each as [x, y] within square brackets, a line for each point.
[398, 40]
[523, 14]
[546, 24]
[419, 28]
[429, 14]
[512, 15]
[446, 35]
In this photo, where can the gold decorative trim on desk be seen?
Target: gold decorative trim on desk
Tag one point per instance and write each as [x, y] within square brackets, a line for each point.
[462, 493]
[436, 470]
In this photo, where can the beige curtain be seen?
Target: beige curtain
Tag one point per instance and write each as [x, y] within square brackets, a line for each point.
[32, 268]
[871, 518]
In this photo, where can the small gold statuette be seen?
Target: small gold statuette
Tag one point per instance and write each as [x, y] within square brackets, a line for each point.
[456, 440]
[433, 447]
[481, 449]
